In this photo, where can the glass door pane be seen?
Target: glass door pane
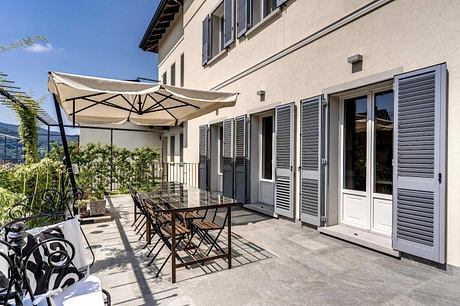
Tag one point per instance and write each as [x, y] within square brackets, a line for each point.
[267, 147]
[383, 126]
[355, 143]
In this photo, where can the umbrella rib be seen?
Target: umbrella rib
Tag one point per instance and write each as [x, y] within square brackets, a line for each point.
[86, 96]
[175, 99]
[145, 100]
[94, 104]
[172, 107]
[106, 103]
[130, 104]
[159, 103]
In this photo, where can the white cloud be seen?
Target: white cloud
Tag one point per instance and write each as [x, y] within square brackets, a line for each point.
[40, 48]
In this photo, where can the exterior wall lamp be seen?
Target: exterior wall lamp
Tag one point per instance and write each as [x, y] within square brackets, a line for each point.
[261, 94]
[356, 62]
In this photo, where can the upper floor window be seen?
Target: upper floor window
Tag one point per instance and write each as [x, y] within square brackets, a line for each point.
[173, 75]
[181, 148]
[164, 78]
[182, 70]
[217, 30]
[261, 9]
[172, 148]
[252, 12]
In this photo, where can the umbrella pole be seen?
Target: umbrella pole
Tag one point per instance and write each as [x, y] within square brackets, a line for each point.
[67, 161]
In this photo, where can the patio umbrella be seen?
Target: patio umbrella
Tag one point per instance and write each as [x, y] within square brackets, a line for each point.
[93, 100]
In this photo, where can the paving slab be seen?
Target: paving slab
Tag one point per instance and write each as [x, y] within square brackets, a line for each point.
[275, 262]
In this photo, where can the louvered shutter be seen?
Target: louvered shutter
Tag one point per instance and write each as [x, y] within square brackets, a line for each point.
[228, 158]
[203, 164]
[285, 148]
[280, 2]
[241, 160]
[229, 22]
[419, 172]
[311, 153]
[205, 39]
[243, 17]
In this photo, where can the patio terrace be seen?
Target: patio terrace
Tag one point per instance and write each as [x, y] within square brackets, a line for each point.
[275, 262]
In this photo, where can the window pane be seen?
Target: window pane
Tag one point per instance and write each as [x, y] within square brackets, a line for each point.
[172, 146]
[173, 75]
[267, 147]
[355, 141]
[182, 70]
[221, 149]
[384, 119]
[181, 147]
[269, 6]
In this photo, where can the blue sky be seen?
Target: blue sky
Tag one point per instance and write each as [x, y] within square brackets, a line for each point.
[92, 37]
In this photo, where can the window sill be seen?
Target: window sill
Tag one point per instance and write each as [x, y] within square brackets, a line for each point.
[216, 57]
[263, 22]
[266, 180]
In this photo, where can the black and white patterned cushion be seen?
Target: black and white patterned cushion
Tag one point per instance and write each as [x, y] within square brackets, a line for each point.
[37, 268]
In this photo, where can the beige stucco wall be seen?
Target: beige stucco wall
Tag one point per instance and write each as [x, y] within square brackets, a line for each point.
[402, 36]
[124, 139]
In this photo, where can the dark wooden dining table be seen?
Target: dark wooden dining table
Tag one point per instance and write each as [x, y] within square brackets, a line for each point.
[175, 198]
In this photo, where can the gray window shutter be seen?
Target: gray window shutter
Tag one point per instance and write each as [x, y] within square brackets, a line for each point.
[206, 41]
[280, 2]
[241, 159]
[284, 150]
[243, 17]
[203, 164]
[311, 153]
[420, 156]
[229, 22]
[228, 158]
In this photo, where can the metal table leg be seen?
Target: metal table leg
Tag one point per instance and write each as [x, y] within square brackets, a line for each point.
[173, 247]
[229, 236]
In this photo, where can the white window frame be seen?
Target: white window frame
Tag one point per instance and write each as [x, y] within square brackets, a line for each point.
[261, 116]
[220, 16]
[369, 92]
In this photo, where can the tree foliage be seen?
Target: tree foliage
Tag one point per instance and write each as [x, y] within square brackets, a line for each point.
[23, 43]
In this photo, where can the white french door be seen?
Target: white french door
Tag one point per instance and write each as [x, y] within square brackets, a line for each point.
[266, 148]
[366, 147]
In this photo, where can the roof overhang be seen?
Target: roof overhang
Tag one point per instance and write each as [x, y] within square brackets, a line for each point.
[164, 15]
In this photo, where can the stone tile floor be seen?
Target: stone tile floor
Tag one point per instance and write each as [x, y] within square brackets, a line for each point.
[276, 262]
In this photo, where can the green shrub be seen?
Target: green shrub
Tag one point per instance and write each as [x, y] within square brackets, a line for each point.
[99, 163]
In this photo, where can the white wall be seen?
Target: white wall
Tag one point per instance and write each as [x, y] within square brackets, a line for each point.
[124, 139]
[403, 35]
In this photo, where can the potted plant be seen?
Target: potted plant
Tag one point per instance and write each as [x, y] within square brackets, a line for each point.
[97, 203]
[82, 206]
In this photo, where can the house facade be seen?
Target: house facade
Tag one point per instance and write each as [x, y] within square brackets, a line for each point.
[345, 118]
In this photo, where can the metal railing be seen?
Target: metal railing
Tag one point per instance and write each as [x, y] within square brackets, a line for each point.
[185, 173]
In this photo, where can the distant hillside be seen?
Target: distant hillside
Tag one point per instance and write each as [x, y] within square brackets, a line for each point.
[14, 151]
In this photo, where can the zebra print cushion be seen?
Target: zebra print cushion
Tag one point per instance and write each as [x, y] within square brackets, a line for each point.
[39, 271]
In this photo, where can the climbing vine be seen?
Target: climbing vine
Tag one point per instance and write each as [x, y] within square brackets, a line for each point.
[28, 127]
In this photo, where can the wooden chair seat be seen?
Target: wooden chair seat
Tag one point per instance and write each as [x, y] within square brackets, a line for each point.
[180, 230]
[190, 215]
[164, 218]
[206, 225]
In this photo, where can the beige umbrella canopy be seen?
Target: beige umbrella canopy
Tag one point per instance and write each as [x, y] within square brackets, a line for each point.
[92, 100]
